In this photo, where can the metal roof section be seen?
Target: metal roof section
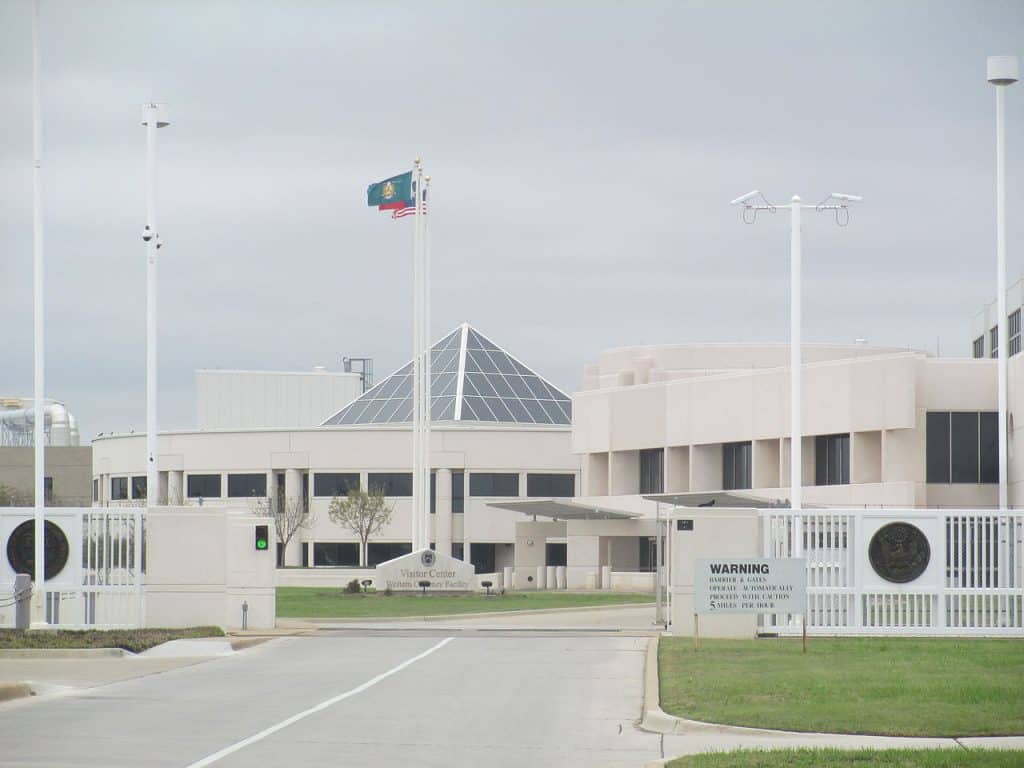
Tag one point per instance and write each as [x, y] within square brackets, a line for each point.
[472, 380]
[718, 499]
[563, 509]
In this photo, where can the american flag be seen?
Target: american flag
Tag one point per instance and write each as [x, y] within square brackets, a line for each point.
[409, 210]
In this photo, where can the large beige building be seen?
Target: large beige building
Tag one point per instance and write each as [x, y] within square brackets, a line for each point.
[882, 427]
[500, 432]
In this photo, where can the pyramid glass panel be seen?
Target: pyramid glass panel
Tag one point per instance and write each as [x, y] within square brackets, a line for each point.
[495, 387]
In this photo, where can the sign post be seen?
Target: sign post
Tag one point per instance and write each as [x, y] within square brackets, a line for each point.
[750, 585]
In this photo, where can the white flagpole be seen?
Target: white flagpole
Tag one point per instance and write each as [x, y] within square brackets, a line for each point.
[39, 409]
[427, 399]
[417, 378]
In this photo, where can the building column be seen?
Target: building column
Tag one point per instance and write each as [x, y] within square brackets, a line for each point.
[443, 512]
[175, 488]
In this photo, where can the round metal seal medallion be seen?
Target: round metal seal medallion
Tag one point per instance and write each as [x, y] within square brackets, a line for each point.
[427, 558]
[21, 549]
[899, 552]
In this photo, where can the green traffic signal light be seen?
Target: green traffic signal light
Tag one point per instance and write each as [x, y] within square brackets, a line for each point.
[262, 537]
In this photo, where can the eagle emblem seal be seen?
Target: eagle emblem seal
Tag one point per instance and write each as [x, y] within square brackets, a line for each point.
[899, 552]
[21, 549]
[427, 558]
[388, 191]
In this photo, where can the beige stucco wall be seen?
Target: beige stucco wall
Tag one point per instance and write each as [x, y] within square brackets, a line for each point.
[698, 397]
[69, 466]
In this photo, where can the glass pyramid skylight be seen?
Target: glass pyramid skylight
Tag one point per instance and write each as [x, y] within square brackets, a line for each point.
[472, 379]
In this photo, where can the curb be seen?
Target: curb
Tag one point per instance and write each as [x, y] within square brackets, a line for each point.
[10, 691]
[446, 616]
[64, 653]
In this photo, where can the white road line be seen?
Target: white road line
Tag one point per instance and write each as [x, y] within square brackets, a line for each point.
[211, 759]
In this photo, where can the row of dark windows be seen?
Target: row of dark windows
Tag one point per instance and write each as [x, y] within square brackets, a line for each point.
[1012, 334]
[346, 553]
[396, 484]
[832, 464]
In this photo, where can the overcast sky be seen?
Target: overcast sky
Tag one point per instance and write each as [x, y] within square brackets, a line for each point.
[583, 156]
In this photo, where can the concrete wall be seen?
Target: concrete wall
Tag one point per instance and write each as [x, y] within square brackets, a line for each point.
[69, 466]
[202, 565]
[721, 533]
[256, 399]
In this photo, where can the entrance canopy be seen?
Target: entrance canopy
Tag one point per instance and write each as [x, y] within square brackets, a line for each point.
[563, 509]
[721, 499]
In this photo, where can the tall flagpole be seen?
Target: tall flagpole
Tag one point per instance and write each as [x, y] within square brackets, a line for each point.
[417, 375]
[421, 197]
[39, 409]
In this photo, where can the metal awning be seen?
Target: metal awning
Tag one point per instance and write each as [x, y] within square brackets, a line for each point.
[719, 499]
[563, 509]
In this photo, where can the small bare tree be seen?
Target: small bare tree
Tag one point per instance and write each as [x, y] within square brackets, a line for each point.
[365, 514]
[290, 516]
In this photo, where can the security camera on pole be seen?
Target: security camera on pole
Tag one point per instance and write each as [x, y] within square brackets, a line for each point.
[838, 203]
[153, 116]
[1002, 71]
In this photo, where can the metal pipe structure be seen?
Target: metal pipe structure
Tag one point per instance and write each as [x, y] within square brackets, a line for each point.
[154, 116]
[1002, 71]
[39, 388]
[417, 373]
[839, 204]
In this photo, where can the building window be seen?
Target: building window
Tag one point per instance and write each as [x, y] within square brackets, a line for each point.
[555, 553]
[458, 495]
[248, 485]
[335, 483]
[494, 484]
[336, 553]
[550, 486]
[139, 487]
[95, 489]
[962, 447]
[390, 483]
[736, 473]
[979, 347]
[457, 550]
[1014, 333]
[380, 551]
[993, 341]
[118, 488]
[652, 470]
[832, 460]
[204, 486]
[433, 493]
[48, 490]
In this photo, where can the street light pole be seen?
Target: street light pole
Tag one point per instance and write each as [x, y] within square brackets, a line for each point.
[1002, 71]
[39, 409]
[153, 116]
[838, 203]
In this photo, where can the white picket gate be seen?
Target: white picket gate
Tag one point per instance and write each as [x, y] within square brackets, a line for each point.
[973, 583]
[101, 584]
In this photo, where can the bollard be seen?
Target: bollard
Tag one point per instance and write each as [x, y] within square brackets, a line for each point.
[22, 601]
[424, 585]
[245, 615]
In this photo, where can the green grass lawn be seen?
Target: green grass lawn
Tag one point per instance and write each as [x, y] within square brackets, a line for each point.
[904, 686]
[134, 640]
[861, 758]
[323, 603]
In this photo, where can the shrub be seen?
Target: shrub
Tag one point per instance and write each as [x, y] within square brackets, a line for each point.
[388, 592]
[353, 588]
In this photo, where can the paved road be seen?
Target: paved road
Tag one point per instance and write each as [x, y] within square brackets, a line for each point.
[486, 697]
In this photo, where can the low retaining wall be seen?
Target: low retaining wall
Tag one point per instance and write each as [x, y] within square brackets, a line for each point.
[338, 578]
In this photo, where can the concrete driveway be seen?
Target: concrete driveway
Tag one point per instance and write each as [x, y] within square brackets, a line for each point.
[395, 696]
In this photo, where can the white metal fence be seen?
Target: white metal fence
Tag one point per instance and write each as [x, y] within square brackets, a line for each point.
[973, 582]
[101, 584]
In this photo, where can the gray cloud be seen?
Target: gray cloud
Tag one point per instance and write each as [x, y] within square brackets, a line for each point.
[583, 155]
